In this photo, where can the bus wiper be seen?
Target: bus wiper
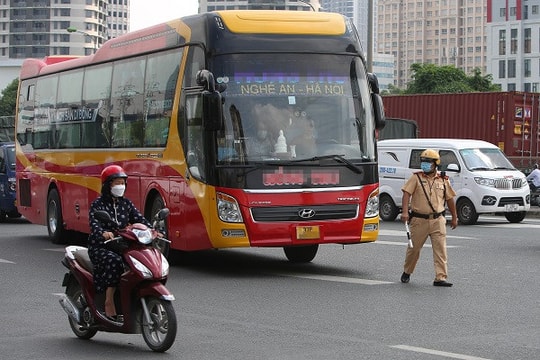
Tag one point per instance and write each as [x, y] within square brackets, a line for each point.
[335, 157]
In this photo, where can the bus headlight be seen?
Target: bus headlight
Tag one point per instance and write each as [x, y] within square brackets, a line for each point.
[228, 209]
[372, 205]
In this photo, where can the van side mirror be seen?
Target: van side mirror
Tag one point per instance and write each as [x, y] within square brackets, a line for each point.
[452, 167]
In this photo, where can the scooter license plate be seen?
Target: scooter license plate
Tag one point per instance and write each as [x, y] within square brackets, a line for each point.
[308, 232]
[511, 207]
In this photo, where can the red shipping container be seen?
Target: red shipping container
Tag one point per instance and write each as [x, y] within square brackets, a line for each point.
[510, 120]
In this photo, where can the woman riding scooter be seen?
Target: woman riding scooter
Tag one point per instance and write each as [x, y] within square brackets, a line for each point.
[108, 265]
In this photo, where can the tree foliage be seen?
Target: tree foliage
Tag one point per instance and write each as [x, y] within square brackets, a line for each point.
[8, 101]
[433, 79]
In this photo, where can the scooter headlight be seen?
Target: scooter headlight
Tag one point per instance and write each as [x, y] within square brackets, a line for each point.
[164, 266]
[145, 272]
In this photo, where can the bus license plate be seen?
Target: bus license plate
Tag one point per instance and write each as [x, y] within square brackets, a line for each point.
[511, 207]
[307, 232]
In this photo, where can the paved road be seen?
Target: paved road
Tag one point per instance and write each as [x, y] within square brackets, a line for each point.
[347, 304]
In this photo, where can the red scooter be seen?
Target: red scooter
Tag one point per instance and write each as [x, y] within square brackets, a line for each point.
[141, 297]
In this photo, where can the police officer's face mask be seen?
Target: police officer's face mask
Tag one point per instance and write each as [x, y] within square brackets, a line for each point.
[426, 166]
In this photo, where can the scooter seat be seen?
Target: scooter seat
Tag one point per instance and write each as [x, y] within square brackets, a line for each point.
[81, 255]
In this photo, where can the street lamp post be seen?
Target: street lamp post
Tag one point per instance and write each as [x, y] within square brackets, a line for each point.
[71, 29]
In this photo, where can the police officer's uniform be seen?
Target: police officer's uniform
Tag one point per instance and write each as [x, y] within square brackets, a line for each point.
[426, 219]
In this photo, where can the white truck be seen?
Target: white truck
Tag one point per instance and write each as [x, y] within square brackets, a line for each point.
[484, 179]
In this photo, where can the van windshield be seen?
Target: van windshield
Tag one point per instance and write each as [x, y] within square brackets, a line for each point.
[485, 159]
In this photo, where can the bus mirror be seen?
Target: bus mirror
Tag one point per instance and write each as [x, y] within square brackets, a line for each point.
[378, 110]
[373, 83]
[212, 110]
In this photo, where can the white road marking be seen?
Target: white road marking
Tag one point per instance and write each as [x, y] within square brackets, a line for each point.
[437, 352]
[334, 278]
[56, 249]
[405, 243]
[6, 261]
[403, 234]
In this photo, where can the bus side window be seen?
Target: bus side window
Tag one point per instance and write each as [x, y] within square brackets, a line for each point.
[160, 85]
[127, 102]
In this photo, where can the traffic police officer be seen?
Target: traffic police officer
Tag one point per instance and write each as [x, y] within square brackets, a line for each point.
[427, 192]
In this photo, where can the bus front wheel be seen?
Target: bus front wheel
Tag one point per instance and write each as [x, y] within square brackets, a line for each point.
[301, 254]
[55, 222]
[158, 204]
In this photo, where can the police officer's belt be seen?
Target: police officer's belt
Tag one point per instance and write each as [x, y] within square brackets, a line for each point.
[426, 216]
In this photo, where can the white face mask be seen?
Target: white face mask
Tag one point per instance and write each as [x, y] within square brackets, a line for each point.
[118, 190]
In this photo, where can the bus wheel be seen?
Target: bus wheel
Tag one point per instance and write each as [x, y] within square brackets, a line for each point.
[55, 223]
[158, 204]
[301, 254]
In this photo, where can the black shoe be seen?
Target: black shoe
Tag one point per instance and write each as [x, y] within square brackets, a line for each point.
[443, 283]
[405, 278]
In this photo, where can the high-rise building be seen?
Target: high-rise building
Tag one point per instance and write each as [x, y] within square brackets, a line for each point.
[39, 28]
[513, 35]
[440, 32]
[213, 5]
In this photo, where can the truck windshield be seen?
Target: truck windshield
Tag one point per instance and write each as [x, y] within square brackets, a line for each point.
[485, 159]
[282, 107]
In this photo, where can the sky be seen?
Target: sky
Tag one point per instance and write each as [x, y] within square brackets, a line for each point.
[145, 13]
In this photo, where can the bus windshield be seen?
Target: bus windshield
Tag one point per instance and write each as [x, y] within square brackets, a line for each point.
[283, 107]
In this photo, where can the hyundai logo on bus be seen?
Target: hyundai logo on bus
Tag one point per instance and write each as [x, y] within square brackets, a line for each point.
[306, 213]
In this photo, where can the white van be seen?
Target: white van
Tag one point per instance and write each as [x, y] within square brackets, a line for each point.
[484, 179]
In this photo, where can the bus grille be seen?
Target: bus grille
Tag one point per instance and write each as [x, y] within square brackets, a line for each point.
[508, 184]
[310, 213]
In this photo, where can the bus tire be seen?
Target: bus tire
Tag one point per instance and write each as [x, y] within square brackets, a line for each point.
[301, 254]
[55, 221]
[158, 204]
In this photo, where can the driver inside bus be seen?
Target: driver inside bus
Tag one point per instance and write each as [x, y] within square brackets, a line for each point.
[260, 144]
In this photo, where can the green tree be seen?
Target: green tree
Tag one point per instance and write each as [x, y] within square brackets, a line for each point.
[433, 79]
[482, 83]
[8, 101]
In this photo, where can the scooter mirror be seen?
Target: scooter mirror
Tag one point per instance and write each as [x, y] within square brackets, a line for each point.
[102, 215]
[162, 214]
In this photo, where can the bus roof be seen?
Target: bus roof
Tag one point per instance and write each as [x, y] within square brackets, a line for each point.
[196, 28]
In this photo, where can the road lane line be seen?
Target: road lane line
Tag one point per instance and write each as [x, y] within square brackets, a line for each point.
[404, 235]
[437, 352]
[404, 243]
[342, 279]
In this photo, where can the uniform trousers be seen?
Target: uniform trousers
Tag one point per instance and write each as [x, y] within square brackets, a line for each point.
[420, 230]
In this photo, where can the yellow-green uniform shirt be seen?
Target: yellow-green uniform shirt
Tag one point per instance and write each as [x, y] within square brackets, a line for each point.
[435, 189]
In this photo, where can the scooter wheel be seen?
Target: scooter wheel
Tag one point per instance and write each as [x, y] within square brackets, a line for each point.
[160, 333]
[74, 292]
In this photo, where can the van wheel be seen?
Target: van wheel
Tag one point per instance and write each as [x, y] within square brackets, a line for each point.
[466, 212]
[388, 211]
[515, 217]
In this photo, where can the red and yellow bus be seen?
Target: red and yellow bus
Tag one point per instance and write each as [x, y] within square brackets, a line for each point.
[179, 106]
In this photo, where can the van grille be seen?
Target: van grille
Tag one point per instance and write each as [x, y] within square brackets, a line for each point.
[508, 184]
[292, 213]
[511, 200]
